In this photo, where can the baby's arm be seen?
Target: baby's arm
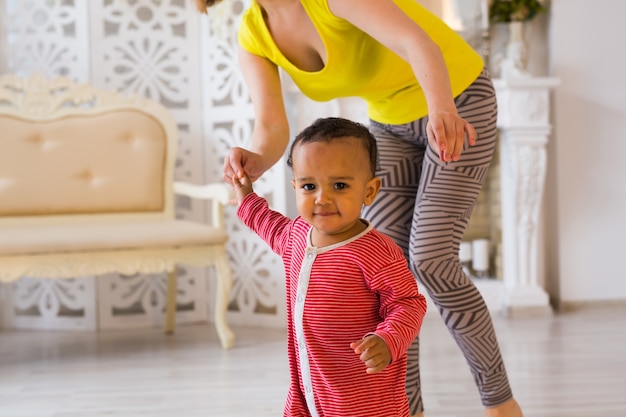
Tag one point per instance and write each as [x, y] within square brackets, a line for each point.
[402, 307]
[271, 226]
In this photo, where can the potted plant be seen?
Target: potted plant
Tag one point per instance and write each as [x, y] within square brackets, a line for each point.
[514, 13]
[506, 11]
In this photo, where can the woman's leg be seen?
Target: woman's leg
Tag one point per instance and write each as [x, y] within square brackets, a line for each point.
[400, 165]
[446, 197]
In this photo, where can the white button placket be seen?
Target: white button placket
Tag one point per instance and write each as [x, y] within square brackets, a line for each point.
[305, 369]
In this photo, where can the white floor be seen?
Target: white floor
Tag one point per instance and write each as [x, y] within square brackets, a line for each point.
[570, 365]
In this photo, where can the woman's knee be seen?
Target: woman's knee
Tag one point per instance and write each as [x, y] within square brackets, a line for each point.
[441, 274]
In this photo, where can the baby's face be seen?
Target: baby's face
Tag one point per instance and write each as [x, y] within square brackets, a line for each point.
[333, 181]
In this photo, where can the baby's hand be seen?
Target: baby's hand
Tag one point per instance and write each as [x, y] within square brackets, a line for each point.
[242, 186]
[374, 353]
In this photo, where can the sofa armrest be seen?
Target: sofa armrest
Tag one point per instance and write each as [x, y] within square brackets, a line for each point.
[220, 194]
[213, 191]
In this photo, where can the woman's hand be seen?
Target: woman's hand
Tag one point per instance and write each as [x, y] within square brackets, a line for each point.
[446, 134]
[242, 161]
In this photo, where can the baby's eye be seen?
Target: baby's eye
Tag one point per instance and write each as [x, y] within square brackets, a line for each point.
[308, 187]
[341, 185]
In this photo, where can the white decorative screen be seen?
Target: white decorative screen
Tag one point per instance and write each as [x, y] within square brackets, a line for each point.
[167, 51]
[46, 36]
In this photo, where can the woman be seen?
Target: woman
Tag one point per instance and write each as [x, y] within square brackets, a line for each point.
[433, 112]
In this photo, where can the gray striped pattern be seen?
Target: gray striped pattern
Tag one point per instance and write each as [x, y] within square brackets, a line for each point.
[425, 205]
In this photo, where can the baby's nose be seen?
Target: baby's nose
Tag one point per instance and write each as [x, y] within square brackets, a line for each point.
[322, 197]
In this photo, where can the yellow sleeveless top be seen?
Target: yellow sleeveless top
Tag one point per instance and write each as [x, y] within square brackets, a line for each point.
[357, 65]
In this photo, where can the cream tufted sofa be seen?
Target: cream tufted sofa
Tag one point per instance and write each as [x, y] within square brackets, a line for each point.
[86, 188]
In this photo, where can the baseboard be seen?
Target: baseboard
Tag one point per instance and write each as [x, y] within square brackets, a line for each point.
[527, 311]
[571, 306]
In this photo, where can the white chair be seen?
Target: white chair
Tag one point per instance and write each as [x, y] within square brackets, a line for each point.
[86, 188]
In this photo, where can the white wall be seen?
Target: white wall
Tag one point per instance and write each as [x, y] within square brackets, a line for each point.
[586, 187]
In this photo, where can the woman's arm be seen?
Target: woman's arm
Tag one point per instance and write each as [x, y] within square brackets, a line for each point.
[388, 24]
[270, 134]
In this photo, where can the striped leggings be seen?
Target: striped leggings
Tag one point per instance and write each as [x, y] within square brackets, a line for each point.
[425, 205]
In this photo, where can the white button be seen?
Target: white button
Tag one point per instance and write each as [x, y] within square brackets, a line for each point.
[309, 255]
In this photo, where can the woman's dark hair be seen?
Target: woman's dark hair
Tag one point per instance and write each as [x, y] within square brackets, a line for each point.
[329, 128]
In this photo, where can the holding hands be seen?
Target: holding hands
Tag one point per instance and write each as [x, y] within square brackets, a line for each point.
[238, 161]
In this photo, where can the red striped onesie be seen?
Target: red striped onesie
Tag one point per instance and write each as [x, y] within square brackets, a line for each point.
[336, 295]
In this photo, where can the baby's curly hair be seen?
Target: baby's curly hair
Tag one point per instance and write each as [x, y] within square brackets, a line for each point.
[203, 5]
[330, 128]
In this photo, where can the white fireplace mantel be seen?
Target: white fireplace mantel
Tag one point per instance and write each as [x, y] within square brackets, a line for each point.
[524, 123]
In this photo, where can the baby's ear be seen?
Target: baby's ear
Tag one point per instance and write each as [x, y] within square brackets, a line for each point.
[371, 190]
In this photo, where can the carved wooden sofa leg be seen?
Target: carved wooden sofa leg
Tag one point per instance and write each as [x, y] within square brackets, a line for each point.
[224, 284]
[170, 302]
